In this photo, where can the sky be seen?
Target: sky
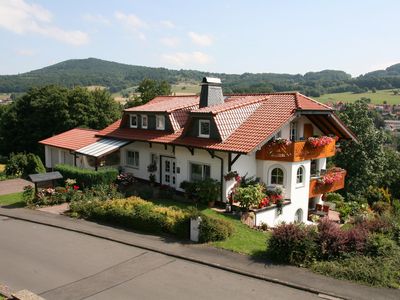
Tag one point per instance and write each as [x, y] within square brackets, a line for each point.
[229, 36]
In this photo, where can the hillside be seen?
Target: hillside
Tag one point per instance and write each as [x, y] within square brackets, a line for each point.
[118, 76]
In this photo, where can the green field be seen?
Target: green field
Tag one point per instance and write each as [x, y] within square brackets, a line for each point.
[185, 88]
[377, 98]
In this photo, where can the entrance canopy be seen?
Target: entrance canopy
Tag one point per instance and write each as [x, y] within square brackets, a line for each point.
[102, 147]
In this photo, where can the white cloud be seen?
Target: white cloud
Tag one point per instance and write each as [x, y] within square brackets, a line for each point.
[170, 41]
[20, 17]
[168, 24]
[96, 18]
[132, 23]
[25, 52]
[200, 39]
[182, 59]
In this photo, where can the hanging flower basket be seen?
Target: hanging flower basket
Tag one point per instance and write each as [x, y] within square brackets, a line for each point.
[330, 178]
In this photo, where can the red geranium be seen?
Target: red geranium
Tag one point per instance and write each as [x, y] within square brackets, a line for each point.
[264, 202]
[76, 187]
[317, 142]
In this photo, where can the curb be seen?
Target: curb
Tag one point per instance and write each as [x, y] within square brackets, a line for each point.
[322, 294]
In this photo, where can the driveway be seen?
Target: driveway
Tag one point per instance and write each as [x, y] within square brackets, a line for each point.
[13, 186]
[60, 264]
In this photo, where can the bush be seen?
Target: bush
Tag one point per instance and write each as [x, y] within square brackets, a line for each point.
[375, 194]
[293, 243]
[136, 213]
[332, 240]
[88, 178]
[208, 190]
[22, 164]
[28, 194]
[381, 207]
[214, 229]
[249, 196]
[166, 192]
[380, 245]
[334, 198]
[377, 271]
[102, 192]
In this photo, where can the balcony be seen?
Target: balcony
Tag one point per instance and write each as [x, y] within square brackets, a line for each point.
[332, 181]
[295, 151]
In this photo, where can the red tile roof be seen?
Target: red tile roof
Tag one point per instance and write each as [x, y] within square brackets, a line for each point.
[73, 139]
[245, 122]
[166, 104]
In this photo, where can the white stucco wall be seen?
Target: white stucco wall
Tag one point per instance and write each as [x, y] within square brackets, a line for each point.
[54, 156]
[285, 131]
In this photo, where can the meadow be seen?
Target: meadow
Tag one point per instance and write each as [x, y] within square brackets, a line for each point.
[377, 98]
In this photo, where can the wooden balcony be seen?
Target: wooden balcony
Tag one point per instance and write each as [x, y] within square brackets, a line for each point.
[318, 187]
[296, 151]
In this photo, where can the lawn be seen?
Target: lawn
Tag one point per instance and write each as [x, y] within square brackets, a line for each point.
[377, 98]
[14, 199]
[244, 240]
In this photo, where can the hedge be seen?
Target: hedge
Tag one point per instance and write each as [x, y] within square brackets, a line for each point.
[136, 213]
[86, 178]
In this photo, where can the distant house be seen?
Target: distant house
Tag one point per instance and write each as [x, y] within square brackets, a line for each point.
[207, 136]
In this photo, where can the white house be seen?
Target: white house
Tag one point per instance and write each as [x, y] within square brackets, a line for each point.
[196, 137]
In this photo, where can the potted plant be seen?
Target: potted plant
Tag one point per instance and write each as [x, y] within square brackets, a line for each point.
[152, 168]
[208, 191]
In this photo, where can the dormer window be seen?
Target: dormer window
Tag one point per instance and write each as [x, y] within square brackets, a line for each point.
[160, 122]
[204, 128]
[133, 121]
[144, 121]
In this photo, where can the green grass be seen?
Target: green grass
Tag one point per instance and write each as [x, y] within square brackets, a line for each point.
[14, 199]
[376, 98]
[185, 88]
[244, 239]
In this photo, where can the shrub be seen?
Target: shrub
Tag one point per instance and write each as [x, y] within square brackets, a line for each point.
[293, 243]
[375, 194]
[381, 207]
[332, 240]
[28, 194]
[87, 178]
[166, 192]
[22, 164]
[103, 192]
[145, 192]
[208, 190]
[334, 198]
[214, 229]
[381, 245]
[249, 196]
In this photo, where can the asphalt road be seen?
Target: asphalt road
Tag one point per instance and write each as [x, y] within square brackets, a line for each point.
[59, 264]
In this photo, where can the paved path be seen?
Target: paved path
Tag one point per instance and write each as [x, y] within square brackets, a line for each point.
[236, 263]
[60, 264]
[13, 186]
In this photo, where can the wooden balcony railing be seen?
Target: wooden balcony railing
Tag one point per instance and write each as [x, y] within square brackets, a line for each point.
[296, 151]
[319, 187]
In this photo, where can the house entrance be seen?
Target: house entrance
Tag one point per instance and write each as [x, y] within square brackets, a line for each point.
[168, 165]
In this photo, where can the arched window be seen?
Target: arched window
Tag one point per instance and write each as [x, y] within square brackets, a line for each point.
[277, 176]
[298, 216]
[300, 175]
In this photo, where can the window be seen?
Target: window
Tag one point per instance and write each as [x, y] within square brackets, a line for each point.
[300, 175]
[160, 122]
[277, 176]
[293, 131]
[144, 121]
[199, 172]
[133, 121]
[204, 128]
[153, 158]
[132, 158]
[314, 168]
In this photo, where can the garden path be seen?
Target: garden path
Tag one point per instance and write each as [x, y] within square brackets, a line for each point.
[13, 186]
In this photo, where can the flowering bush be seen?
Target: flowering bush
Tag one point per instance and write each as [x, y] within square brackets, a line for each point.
[249, 196]
[125, 178]
[264, 202]
[317, 142]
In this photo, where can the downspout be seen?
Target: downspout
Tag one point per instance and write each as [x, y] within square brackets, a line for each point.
[222, 175]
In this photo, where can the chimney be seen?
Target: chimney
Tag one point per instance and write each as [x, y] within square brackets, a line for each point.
[211, 92]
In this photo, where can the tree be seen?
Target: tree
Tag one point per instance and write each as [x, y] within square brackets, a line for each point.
[391, 179]
[149, 88]
[50, 110]
[364, 160]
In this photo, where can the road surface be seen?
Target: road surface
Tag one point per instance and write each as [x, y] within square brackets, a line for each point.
[59, 264]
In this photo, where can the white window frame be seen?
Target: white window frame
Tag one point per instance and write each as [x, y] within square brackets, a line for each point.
[130, 121]
[209, 128]
[144, 117]
[270, 175]
[136, 159]
[303, 176]
[203, 165]
[158, 119]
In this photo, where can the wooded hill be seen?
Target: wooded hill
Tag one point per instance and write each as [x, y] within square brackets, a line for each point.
[117, 76]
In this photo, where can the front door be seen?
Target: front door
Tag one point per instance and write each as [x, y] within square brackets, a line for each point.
[168, 171]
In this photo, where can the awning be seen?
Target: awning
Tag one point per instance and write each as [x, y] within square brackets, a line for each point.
[42, 177]
[102, 147]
